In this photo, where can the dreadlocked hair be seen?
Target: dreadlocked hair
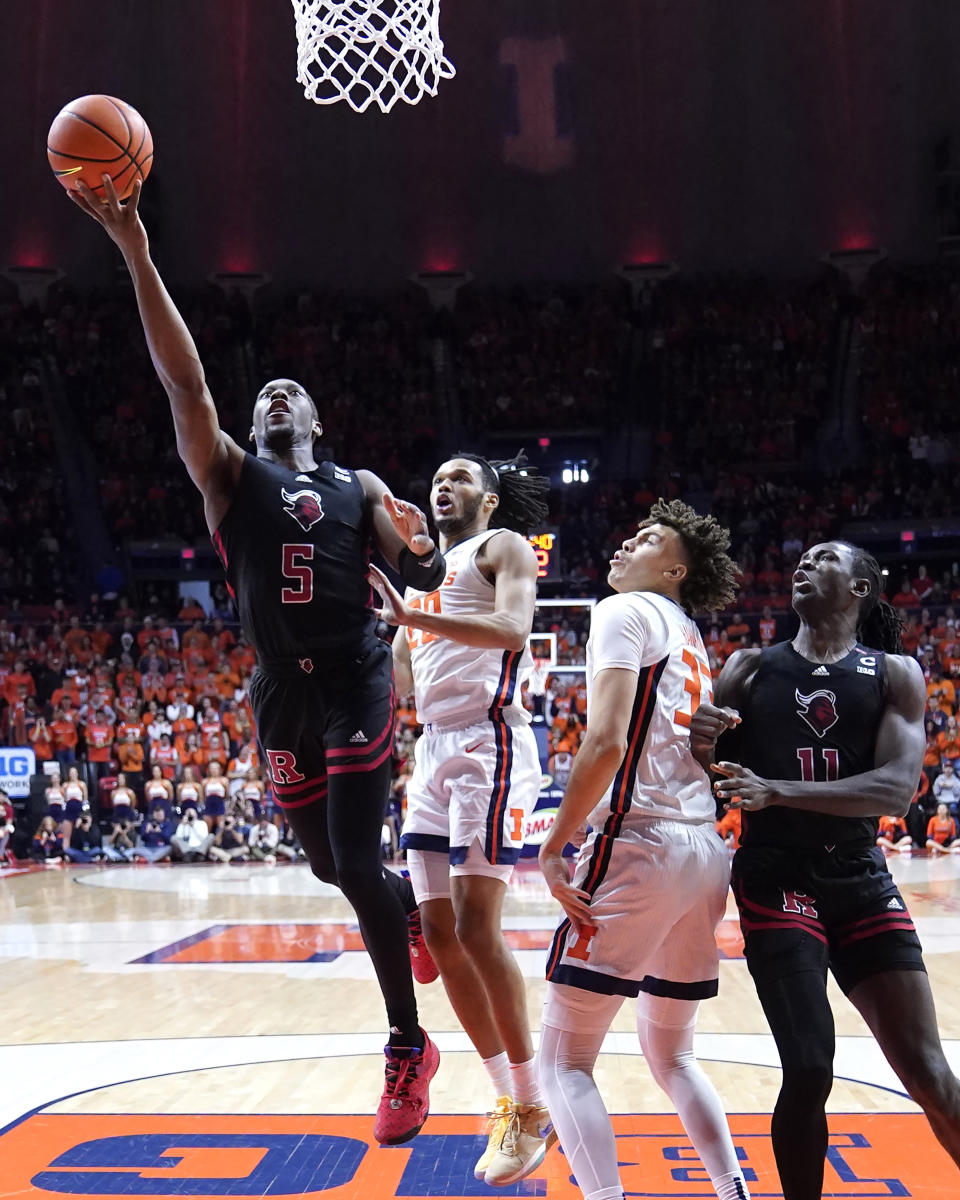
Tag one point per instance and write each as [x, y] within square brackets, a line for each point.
[521, 488]
[879, 625]
[710, 582]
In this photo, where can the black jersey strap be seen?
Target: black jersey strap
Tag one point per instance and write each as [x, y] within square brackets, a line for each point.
[422, 571]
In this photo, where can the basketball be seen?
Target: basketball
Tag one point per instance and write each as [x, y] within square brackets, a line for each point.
[94, 136]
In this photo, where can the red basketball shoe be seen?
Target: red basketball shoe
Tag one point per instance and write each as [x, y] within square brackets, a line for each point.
[405, 1103]
[424, 968]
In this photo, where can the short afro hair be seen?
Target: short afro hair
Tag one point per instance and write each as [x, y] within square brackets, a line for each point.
[711, 580]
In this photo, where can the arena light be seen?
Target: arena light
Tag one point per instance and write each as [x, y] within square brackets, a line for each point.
[567, 475]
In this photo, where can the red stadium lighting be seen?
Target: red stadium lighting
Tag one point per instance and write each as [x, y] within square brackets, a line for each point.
[907, 535]
[188, 553]
[544, 443]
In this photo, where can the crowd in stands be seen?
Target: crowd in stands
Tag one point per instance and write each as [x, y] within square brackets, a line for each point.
[731, 378]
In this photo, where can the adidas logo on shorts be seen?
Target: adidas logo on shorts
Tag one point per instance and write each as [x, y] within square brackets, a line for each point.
[821, 670]
[359, 738]
[895, 903]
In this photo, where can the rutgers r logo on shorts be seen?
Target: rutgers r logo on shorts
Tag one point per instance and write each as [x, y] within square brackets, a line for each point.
[797, 902]
[283, 766]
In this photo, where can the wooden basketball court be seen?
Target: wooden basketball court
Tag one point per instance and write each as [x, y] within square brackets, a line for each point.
[217, 1031]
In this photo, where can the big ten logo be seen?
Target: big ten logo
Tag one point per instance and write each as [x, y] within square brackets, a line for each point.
[190, 1157]
[17, 764]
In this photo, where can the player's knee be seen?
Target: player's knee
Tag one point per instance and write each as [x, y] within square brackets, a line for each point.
[475, 934]
[807, 1079]
[325, 871]
[355, 880]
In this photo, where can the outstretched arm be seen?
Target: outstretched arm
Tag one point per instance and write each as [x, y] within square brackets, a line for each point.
[212, 458]
[594, 768]
[514, 564]
[886, 789]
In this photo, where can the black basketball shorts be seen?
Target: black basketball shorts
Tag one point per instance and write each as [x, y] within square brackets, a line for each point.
[317, 722]
[842, 910]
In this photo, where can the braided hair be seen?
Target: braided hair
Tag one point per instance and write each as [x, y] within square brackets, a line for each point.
[521, 488]
[879, 625]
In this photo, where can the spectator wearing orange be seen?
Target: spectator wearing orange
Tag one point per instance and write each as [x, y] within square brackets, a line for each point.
[227, 677]
[99, 735]
[179, 692]
[167, 636]
[948, 742]
[209, 724]
[15, 719]
[19, 677]
[737, 628]
[942, 832]
[131, 722]
[130, 756]
[892, 834]
[74, 636]
[217, 752]
[164, 753]
[222, 639]
[42, 740]
[159, 791]
[64, 730]
[767, 627]
[127, 675]
[196, 638]
[146, 635]
[191, 610]
[101, 639]
[192, 753]
[181, 719]
[943, 691]
[906, 597]
[152, 686]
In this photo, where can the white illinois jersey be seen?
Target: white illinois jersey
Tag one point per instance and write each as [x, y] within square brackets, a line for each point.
[453, 682]
[658, 777]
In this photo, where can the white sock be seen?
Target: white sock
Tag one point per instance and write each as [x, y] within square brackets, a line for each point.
[731, 1187]
[498, 1068]
[524, 1086]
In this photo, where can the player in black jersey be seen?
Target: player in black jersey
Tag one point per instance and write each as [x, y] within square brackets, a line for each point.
[295, 540]
[827, 734]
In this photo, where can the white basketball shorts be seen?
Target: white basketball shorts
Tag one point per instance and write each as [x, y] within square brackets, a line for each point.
[659, 890]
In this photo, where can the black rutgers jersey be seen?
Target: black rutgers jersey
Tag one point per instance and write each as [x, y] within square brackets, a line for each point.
[295, 547]
[804, 720]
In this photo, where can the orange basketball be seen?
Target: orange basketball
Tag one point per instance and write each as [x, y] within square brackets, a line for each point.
[94, 136]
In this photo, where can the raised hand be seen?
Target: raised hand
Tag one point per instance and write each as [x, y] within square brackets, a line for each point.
[393, 610]
[119, 218]
[410, 523]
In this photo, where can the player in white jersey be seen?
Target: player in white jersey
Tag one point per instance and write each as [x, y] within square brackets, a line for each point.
[463, 650]
[650, 882]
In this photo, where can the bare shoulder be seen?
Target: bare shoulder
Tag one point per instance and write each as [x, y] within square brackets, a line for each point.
[508, 551]
[905, 682]
[373, 486]
[736, 677]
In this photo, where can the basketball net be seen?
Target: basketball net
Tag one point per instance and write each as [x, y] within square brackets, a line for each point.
[369, 51]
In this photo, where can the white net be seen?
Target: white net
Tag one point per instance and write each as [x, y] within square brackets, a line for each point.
[369, 51]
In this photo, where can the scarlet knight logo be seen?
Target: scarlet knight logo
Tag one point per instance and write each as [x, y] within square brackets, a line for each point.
[819, 710]
[304, 506]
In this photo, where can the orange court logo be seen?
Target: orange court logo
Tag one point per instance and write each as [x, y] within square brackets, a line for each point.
[195, 1157]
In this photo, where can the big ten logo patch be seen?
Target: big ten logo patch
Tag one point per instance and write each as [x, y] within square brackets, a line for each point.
[194, 1157]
